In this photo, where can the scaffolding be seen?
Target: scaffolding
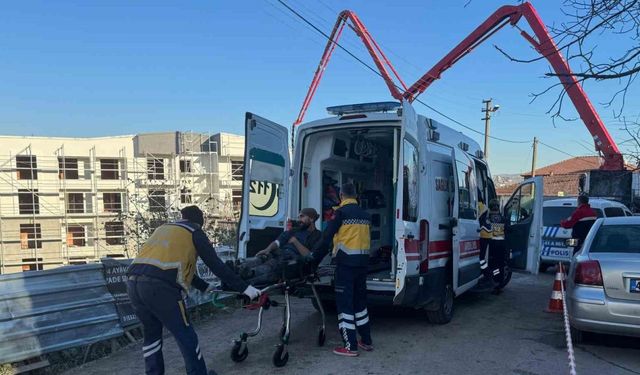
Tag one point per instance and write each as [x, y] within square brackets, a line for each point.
[69, 208]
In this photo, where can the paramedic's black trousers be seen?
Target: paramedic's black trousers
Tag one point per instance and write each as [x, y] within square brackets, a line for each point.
[351, 303]
[497, 260]
[158, 304]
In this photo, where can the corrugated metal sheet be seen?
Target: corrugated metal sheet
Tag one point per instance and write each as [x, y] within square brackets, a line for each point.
[47, 311]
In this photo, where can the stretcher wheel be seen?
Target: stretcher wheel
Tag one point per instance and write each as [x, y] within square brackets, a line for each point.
[322, 337]
[239, 352]
[281, 356]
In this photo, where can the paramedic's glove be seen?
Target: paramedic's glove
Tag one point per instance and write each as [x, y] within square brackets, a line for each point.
[210, 289]
[251, 292]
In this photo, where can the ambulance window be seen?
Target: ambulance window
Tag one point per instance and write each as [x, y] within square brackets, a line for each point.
[410, 174]
[466, 204]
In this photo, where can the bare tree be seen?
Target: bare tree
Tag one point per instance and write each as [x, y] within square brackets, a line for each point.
[589, 25]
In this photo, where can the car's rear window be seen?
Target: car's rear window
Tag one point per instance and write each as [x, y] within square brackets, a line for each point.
[617, 239]
[551, 216]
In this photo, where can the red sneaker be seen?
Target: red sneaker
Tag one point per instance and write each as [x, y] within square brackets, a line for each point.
[344, 352]
[365, 347]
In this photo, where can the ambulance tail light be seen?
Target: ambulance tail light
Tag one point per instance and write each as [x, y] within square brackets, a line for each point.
[424, 246]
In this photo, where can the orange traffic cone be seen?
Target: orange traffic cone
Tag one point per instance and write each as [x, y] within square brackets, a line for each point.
[555, 302]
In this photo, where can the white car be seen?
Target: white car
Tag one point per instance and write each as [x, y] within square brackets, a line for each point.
[554, 248]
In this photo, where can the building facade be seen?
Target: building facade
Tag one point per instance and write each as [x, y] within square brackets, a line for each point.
[75, 200]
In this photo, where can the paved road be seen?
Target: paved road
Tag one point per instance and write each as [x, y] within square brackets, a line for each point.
[508, 334]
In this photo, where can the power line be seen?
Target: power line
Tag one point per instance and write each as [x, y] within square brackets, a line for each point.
[380, 75]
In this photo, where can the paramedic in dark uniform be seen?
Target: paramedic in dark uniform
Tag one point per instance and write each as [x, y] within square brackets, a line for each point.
[162, 271]
[493, 223]
[485, 238]
[349, 233]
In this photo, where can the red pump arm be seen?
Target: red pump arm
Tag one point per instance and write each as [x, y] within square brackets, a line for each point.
[613, 159]
[379, 58]
[604, 143]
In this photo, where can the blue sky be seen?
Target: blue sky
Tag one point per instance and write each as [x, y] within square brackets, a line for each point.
[95, 68]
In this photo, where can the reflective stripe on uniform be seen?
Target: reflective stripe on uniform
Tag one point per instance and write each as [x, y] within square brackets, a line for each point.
[152, 351]
[150, 346]
[343, 316]
[346, 325]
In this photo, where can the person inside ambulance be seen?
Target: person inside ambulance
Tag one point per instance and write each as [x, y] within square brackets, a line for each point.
[291, 244]
[580, 221]
[492, 227]
[349, 234]
[160, 275]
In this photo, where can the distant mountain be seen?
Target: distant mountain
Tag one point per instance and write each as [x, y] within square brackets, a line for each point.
[502, 180]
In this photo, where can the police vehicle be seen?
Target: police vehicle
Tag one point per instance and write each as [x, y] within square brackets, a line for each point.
[420, 181]
[554, 248]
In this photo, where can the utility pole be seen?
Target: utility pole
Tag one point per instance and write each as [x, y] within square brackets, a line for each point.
[488, 109]
[535, 156]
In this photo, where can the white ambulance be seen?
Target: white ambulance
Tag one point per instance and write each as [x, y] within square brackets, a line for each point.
[420, 181]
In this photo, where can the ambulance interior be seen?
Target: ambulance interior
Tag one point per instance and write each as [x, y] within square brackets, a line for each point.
[363, 156]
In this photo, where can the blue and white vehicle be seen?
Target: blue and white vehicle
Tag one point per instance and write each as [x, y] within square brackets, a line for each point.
[554, 248]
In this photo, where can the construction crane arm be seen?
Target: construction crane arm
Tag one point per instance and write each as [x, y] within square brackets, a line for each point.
[379, 58]
[544, 44]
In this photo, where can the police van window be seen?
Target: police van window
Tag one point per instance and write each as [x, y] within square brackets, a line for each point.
[410, 173]
[552, 216]
[266, 173]
[613, 211]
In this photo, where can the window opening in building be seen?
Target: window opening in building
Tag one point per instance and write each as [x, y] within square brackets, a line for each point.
[155, 169]
[30, 236]
[28, 201]
[27, 167]
[114, 231]
[109, 169]
[68, 168]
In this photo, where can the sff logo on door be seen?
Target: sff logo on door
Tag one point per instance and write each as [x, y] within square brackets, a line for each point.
[263, 198]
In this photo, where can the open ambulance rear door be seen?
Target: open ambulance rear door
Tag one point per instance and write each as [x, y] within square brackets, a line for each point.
[265, 185]
[523, 212]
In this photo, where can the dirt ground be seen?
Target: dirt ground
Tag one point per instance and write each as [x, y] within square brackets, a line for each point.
[508, 334]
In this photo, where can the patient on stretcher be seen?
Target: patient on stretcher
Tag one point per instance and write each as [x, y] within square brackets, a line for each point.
[267, 266]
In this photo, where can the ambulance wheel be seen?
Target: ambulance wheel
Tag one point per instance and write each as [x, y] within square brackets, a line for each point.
[239, 352]
[281, 356]
[322, 337]
[507, 276]
[444, 312]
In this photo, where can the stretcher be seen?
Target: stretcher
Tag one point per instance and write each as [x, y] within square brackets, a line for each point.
[295, 278]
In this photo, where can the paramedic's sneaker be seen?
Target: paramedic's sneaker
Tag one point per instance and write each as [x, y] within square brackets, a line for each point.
[344, 352]
[365, 347]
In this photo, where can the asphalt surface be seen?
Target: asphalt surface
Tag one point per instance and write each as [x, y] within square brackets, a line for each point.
[506, 334]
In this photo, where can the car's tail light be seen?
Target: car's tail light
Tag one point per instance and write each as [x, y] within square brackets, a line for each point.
[588, 273]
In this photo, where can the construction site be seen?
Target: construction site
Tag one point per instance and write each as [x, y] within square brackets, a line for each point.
[70, 201]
